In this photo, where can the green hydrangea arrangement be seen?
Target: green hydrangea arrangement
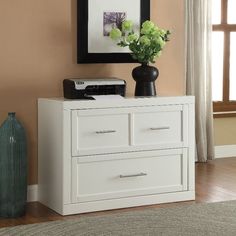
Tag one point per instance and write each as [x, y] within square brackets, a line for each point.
[146, 46]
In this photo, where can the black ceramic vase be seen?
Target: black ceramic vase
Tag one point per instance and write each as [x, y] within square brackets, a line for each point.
[145, 77]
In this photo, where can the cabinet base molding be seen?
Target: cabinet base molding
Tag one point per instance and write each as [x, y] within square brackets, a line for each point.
[127, 202]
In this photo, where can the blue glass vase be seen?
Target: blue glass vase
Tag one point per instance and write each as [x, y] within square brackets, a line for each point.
[13, 168]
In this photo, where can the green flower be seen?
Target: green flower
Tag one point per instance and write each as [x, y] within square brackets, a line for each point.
[145, 40]
[156, 32]
[158, 54]
[115, 34]
[131, 38]
[146, 45]
[127, 25]
[160, 41]
[147, 27]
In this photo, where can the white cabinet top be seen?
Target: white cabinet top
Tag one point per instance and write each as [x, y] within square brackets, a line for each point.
[123, 102]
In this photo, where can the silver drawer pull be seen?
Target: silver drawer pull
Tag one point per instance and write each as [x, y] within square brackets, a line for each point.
[105, 131]
[160, 128]
[134, 175]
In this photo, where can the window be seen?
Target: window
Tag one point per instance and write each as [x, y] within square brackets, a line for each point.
[224, 55]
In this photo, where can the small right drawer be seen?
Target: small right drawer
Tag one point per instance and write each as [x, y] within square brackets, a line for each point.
[160, 126]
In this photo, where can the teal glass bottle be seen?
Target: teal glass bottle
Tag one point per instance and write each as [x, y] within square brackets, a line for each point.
[13, 168]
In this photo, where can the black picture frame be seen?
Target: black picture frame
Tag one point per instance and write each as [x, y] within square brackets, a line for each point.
[83, 56]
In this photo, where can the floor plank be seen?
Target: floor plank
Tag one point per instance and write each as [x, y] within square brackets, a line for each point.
[215, 181]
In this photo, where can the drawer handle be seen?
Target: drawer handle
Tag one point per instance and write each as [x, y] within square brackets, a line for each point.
[134, 175]
[160, 128]
[105, 131]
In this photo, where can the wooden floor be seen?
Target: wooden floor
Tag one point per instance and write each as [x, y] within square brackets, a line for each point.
[215, 181]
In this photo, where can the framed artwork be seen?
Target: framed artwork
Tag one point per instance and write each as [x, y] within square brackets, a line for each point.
[95, 19]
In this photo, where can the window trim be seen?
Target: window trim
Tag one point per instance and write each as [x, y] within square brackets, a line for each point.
[226, 104]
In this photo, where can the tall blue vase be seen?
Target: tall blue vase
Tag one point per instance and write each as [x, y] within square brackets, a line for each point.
[13, 168]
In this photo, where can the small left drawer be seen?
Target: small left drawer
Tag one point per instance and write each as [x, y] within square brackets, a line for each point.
[99, 132]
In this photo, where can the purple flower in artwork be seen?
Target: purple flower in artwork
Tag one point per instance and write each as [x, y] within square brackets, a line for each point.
[112, 20]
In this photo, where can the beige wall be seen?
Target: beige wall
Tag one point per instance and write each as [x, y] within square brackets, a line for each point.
[37, 51]
[225, 131]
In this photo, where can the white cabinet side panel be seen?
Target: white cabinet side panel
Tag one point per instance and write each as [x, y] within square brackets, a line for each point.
[50, 154]
[191, 149]
[66, 156]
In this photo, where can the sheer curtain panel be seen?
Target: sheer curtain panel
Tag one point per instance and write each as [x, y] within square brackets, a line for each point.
[198, 73]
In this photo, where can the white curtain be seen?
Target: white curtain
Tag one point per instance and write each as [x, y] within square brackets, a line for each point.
[198, 73]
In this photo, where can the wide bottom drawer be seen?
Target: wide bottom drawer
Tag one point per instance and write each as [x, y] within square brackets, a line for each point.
[130, 174]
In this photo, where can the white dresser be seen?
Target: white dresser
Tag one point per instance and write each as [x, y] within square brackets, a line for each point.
[98, 155]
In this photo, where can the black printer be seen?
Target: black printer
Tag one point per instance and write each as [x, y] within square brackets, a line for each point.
[84, 88]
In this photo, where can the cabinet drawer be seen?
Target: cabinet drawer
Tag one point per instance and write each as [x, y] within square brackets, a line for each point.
[99, 132]
[162, 127]
[133, 174]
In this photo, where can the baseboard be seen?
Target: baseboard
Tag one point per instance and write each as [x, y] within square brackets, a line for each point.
[225, 151]
[32, 193]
